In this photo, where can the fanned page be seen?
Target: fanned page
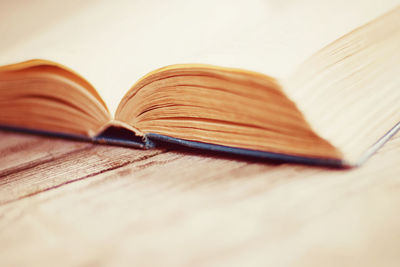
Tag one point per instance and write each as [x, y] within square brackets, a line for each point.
[114, 43]
[350, 90]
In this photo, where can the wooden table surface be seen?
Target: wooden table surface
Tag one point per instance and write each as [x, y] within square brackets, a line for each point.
[66, 203]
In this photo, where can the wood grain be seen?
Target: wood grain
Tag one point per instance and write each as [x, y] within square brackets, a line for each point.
[68, 203]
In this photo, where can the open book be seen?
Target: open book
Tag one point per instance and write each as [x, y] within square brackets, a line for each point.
[324, 85]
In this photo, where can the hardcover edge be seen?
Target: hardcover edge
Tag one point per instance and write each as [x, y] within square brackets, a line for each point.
[377, 145]
[151, 140]
[144, 143]
[336, 163]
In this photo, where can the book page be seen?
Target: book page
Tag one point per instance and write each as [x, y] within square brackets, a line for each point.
[114, 43]
[349, 91]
